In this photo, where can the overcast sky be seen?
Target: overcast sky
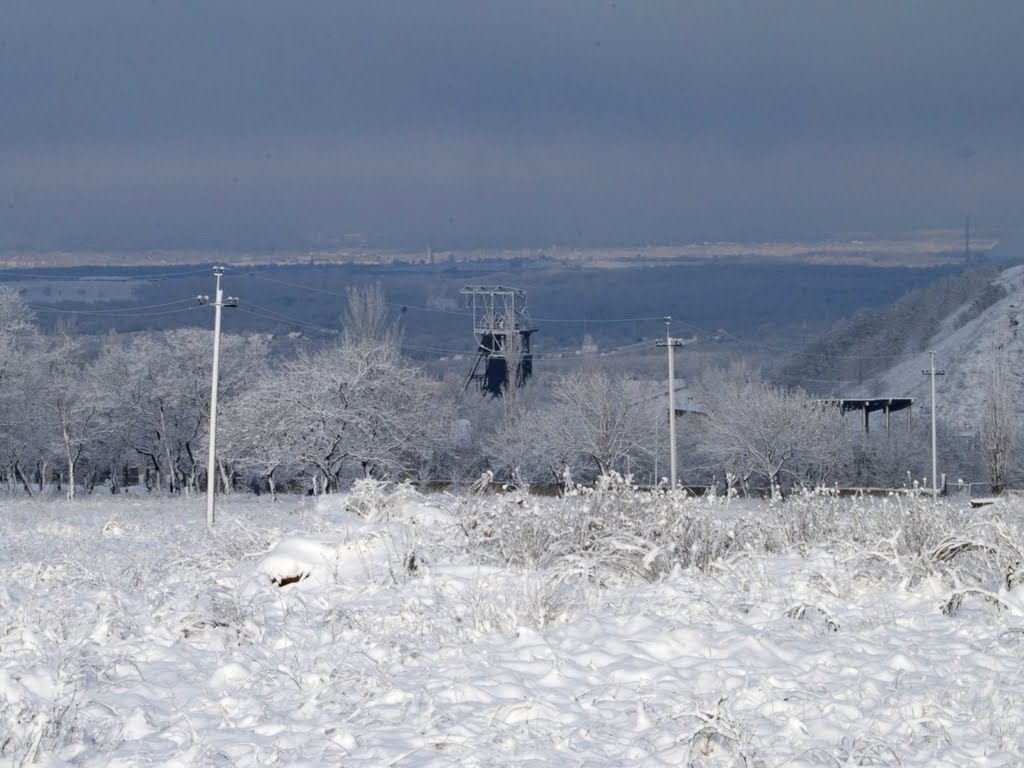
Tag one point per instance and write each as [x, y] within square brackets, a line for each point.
[260, 124]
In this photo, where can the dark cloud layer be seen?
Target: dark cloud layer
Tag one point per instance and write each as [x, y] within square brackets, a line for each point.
[262, 124]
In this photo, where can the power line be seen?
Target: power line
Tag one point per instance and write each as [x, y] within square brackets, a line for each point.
[591, 321]
[274, 315]
[437, 310]
[799, 353]
[445, 352]
[793, 377]
[637, 346]
[115, 311]
[342, 295]
[30, 275]
[270, 314]
[585, 321]
[266, 313]
[289, 283]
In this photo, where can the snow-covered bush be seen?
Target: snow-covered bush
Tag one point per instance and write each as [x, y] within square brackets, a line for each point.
[617, 533]
[611, 532]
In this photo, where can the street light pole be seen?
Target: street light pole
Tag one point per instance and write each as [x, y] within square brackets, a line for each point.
[935, 463]
[670, 343]
[211, 467]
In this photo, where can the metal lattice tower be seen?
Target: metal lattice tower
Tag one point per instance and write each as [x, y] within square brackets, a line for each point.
[502, 327]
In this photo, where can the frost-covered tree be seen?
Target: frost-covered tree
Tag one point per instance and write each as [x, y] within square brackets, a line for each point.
[20, 347]
[72, 403]
[599, 420]
[256, 434]
[367, 323]
[160, 388]
[513, 449]
[757, 430]
[998, 418]
[462, 453]
[359, 407]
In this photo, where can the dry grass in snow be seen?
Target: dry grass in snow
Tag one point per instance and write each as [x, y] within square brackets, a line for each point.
[607, 628]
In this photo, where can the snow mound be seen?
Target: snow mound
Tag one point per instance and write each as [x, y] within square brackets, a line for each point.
[370, 537]
[363, 553]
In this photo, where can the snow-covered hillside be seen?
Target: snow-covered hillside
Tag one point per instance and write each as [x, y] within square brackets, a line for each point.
[962, 349]
[386, 628]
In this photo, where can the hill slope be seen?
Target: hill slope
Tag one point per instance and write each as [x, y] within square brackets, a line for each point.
[964, 349]
[962, 319]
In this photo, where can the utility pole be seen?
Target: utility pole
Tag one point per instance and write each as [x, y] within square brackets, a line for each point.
[211, 467]
[935, 464]
[671, 343]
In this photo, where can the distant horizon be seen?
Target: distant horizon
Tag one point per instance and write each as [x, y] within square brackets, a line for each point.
[907, 248]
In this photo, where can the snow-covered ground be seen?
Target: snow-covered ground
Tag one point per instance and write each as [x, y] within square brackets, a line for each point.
[385, 628]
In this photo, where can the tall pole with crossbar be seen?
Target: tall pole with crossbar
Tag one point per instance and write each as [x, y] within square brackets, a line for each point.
[671, 343]
[935, 462]
[211, 467]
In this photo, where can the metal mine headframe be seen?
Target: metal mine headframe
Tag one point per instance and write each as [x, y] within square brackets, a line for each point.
[502, 327]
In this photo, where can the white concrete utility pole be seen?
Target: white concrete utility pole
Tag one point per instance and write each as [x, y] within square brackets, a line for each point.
[211, 467]
[935, 462]
[671, 343]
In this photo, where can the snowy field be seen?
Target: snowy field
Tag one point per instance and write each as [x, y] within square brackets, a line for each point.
[385, 628]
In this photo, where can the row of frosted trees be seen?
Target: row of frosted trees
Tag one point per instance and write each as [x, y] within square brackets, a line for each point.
[81, 411]
[137, 409]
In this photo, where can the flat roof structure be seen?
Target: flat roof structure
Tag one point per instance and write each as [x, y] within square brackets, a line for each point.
[867, 405]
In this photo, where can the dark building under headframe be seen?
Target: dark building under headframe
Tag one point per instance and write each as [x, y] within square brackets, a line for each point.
[502, 327]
